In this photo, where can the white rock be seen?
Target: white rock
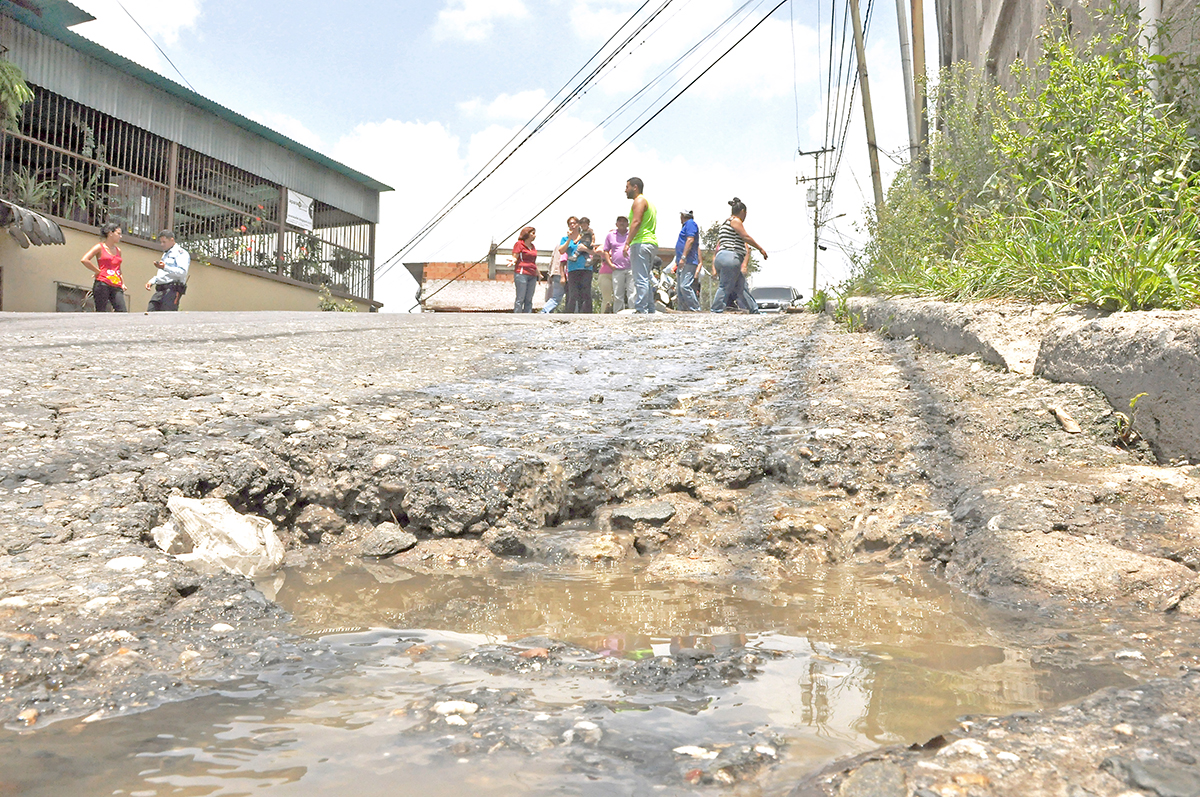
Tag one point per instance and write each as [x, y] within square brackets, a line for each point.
[766, 750]
[99, 604]
[1011, 758]
[381, 461]
[964, 747]
[455, 719]
[126, 564]
[1130, 654]
[696, 752]
[447, 707]
[303, 426]
[15, 602]
[221, 628]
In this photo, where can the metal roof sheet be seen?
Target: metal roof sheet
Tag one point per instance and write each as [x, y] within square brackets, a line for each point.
[53, 17]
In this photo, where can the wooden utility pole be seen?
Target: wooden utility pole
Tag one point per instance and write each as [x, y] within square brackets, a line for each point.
[906, 68]
[922, 107]
[872, 147]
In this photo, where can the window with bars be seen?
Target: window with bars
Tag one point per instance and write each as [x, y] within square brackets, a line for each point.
[76, 163]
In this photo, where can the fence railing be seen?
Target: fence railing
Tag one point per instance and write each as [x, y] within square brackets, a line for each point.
[75, 163]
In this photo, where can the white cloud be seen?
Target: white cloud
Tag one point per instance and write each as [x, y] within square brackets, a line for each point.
[291, 127]
[472, 20]
[763, 66]
[161, 19]
[422, 163]
[507, 107]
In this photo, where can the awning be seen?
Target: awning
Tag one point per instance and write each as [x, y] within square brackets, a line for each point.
[29, 227]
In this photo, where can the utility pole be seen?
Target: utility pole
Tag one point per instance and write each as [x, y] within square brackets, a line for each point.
[914, 136]
[815, 204]
[922, 107]
[872, 147]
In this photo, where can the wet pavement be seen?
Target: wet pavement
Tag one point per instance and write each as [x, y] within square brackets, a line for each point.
[632, 536]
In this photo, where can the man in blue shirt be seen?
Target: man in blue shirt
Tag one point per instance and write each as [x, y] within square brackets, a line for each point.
[171, 279]
[687, 263]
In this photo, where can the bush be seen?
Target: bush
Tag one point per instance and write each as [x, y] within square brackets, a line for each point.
[1079, 186]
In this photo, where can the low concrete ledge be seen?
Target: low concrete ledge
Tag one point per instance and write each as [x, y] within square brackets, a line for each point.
[1005, 334]
[1156, 353]
[1122, 355]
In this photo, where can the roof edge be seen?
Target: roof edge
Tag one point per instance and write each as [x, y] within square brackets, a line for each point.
[53, 23]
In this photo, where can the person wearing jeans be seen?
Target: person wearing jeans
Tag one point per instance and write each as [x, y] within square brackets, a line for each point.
[642, 244]
[733, 259]
[525, 271]
[687, 263]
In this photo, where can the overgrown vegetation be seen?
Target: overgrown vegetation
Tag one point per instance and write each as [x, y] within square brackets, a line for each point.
[331, 304]
[1079, 186]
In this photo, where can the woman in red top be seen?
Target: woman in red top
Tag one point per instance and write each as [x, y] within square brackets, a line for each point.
[525, 270]
[108, 287]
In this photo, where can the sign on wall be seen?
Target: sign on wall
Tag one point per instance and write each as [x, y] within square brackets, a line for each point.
[299, 210]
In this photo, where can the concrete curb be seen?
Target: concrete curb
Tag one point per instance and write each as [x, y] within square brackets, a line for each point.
[1121, 355]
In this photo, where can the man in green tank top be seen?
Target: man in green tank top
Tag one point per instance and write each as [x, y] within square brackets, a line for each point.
[642, 244]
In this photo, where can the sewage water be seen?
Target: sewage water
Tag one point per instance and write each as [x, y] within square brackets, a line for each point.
[842, 659]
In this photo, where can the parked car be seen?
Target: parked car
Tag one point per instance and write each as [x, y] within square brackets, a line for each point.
[776, 298]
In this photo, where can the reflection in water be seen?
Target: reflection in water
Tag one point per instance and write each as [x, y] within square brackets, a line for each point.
[864, 660]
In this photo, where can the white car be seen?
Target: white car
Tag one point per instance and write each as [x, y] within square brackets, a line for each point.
[776, 298]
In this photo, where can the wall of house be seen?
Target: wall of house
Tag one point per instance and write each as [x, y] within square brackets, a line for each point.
[29, 277]
[474, 271]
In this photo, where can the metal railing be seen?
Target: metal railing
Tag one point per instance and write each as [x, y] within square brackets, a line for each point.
[75, 163]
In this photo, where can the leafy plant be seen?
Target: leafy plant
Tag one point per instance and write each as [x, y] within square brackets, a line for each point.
[1126, 434]
[25, 189]
[1079, 186]
[818, 301]
[14, 93]
[330, 303]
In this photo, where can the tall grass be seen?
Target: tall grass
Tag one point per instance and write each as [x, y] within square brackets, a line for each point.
[1079, 185]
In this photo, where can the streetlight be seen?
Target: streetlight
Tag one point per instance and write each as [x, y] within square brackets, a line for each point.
[817, 225]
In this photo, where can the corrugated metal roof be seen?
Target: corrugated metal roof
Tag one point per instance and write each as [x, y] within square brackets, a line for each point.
[64, 62]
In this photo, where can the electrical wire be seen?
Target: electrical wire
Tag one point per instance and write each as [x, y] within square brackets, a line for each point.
[742, 11]
[156, 47]
[659, 78]
[478, 180]
[616, 148]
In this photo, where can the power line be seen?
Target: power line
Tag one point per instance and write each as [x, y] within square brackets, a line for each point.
[468, 189]
[659, 78]
[156, 47]
[623, 142]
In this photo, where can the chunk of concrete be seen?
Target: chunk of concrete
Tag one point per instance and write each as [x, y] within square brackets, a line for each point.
[655, 513]
[1127, 354]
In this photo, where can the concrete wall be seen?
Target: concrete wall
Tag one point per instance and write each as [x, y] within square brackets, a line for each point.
[29, 276]
[992, 34]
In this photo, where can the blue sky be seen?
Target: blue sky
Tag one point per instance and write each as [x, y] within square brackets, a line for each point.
[421, 94]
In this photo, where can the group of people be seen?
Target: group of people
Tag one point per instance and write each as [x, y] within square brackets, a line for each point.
[108, 288]
[625, 260]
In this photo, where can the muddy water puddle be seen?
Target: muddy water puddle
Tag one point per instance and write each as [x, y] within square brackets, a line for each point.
[536, 680]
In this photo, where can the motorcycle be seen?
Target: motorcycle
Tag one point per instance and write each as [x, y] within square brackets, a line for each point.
[664, 287]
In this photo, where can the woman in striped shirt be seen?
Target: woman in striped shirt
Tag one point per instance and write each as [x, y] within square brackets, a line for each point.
[733, 259]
